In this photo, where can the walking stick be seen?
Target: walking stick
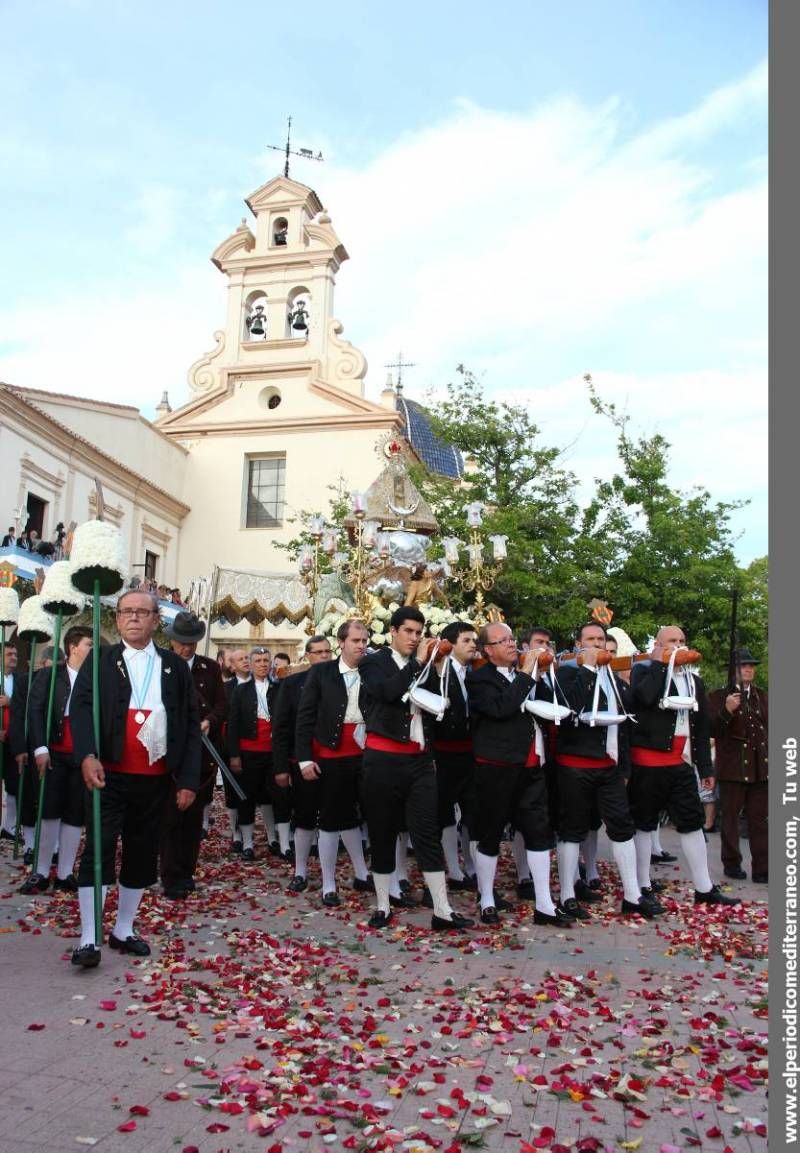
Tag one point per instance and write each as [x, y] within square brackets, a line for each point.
[48, 725]
[96, 838]
[223, 768]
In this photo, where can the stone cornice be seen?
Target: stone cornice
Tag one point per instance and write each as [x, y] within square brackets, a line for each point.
[380, 419]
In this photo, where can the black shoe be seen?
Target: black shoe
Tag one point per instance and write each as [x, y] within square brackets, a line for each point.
[501, 904]
[642, 908]
[405, 886]
[6, 836]
[596, 885]
[275, 848]
[331, 900]
[463, 885]
[526, 891]
[736, 873]
[36, 883]
[427, 899]
[379, 919]
[248, 855]
[650, 897]
[86, 957]
[297, 885]
[662, 858]
[584, 892]
[490, 916]
[456, 921]
[27, 858]
[761, 878]
[714, 896]
[406, 901]
[560, 919]
[189, 884]
[367, 886]
[574, 910]
[133, 945]
[65, 884]
[288, 855]
[175, 892]
[656, 887]
[236, 847]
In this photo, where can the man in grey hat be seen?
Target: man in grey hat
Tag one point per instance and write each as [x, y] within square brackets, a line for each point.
[182, 832]
[739, 724]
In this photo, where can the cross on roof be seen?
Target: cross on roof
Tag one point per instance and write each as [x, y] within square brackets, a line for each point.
[400, 364]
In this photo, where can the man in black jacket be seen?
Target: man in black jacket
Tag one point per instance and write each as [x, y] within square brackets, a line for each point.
[667, 745]
[330, 741]
[149, 734]
[284, 757]
[64, 806]
[452, 745]
[592, 764]
[399, 783]
[182, 831]
[238, 665]
[509, 749]
[250, 750]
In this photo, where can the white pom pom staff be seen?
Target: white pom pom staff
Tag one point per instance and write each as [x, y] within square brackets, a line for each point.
[98, 568]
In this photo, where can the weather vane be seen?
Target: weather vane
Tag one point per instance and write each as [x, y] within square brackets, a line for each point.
[303, 153]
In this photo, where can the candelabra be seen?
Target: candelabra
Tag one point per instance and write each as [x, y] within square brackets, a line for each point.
[308, 560]
[477, 576]
[359, 561]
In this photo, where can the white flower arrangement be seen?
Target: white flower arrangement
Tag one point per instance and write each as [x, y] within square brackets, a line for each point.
[58, 592]
[98, 554]
[436, 618]
[34, 623]
[9, 607]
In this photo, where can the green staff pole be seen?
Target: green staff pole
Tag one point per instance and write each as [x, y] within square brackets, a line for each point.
[22, 775]
[50, 699]
[96, 838]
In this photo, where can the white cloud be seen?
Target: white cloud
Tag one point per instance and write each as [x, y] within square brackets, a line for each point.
[519, 244]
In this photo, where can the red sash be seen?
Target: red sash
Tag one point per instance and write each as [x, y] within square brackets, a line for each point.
[263, 738]
[654, 758]
[347, 747]
[135, 759]
[533, 757]
[386, 745]
[571, 762]
[455, 746]
[65, 744]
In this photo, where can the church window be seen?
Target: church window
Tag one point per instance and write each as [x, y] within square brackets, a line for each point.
[266, 491]
[298, 313]
[150, 565]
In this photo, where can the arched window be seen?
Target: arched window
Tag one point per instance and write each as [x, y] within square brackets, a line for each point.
[255, 316]
[280, 230]
[298, 313]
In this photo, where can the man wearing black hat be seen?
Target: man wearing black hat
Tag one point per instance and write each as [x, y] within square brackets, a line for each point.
[182, 831]
[739, 723]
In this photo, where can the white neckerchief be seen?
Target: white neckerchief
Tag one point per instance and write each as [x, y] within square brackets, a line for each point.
[243, 680]
[261, 697]
[352, 682]
[461, 673]
[685, 687]
[73, 675]
[153, 733]
[605, 678]
[417, 732]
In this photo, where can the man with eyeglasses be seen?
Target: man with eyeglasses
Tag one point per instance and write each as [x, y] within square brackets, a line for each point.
[509, 748]
[149, 737]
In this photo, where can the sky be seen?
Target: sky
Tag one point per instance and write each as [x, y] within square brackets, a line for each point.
[535, 190]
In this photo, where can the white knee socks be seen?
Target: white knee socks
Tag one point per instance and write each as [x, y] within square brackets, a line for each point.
[382, 885]
[567, 857]
[69, 840]
[284, 838]
[247, 835]
[86, 904]
[625, 859]
[520, 857]
[233, 821]
[450, 847]
[10, 822]
[696, 853]
[48, 838]
[656, 841]
[539, 864]
[644, 846]
[485, 868]
[303, 840]
[268, 817]
[467, 852]
[401, 857]
[437, 887]
[127, 907]
[328, 845]
[590, 855]
[351, 839]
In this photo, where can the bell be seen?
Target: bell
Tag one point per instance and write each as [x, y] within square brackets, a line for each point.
[256, 323]
[299, 319]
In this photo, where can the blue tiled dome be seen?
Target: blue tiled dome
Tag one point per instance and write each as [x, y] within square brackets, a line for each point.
[437, 454]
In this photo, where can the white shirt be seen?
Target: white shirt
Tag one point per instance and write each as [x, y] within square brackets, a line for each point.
[352, 682]
[136, 666]
[262, 687]
[8, 685]
[509, 674]
[461, 672]
[417, 732]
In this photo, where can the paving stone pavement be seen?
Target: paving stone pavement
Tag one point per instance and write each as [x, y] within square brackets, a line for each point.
[263, 1021]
